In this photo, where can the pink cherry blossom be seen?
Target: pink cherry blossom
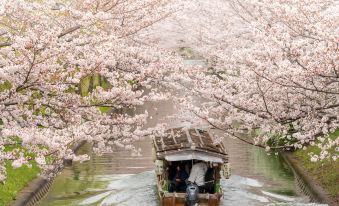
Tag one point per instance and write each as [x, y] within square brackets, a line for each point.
[48, 47]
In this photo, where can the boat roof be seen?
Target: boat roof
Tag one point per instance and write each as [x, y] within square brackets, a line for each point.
[189, 143]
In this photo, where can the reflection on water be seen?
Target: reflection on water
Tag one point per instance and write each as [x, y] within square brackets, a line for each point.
[276, 170]
[264, 179]
[258, 179]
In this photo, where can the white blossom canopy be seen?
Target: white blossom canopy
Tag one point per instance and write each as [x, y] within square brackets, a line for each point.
[272, 71]
[48, 47]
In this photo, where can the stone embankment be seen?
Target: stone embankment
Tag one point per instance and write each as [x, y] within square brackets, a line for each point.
[37, 188]
[305, 181]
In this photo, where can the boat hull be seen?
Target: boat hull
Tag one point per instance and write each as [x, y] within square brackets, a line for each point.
[178, 199]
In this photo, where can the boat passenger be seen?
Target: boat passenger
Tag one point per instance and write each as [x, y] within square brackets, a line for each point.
[197, 174]
[178, 183]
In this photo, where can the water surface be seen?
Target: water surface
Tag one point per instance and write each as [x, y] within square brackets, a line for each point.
[121, 179]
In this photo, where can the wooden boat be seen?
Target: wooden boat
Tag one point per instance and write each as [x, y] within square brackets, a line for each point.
[184, 146]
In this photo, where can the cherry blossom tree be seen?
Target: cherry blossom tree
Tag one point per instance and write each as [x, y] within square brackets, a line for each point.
[47, 48]
[272, 72]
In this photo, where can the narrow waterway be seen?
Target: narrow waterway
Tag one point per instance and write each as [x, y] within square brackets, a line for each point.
[124, 180]
[120, 179]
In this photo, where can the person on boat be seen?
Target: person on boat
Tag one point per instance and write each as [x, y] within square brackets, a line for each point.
[197, 174]
[178, 183]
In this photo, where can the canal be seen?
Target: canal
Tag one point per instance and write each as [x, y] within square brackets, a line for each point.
[120, 179]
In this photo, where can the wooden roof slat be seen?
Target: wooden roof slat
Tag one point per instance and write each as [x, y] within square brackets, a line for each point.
[198, 133]
[188, 139]
[223, 156]
[162, 143]
[156, 145]
[188, 135]
[173, 136]
[195, 138]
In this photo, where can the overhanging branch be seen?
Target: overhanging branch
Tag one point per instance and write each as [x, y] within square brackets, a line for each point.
[5, 44]
[64, 33]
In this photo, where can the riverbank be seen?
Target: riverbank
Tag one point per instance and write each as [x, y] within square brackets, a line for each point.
[325, 175]
[322, 176]
[17, 179]
[24, 185]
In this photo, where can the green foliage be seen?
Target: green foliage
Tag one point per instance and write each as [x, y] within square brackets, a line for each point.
[96, 80]
[3, 39]
[326, 171]
[85, 86]
[105, 84]
[37, 111]
[17, 146]
[19, 178]
[186, 52]
[16, 180]
[105, 109]
[217, 187]
[278, 140]
[165, 186]
[5, 86]
[90, 82]
[71, 89]
[218, 74]
[133, 82]
[316, 150]
[15, 139]
[36, 95]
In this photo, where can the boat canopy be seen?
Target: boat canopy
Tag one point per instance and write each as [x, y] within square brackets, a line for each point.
[186, 144]
[193, 155]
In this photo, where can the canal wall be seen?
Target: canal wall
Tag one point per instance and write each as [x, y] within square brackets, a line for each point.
[306, 183]
[39, 187]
